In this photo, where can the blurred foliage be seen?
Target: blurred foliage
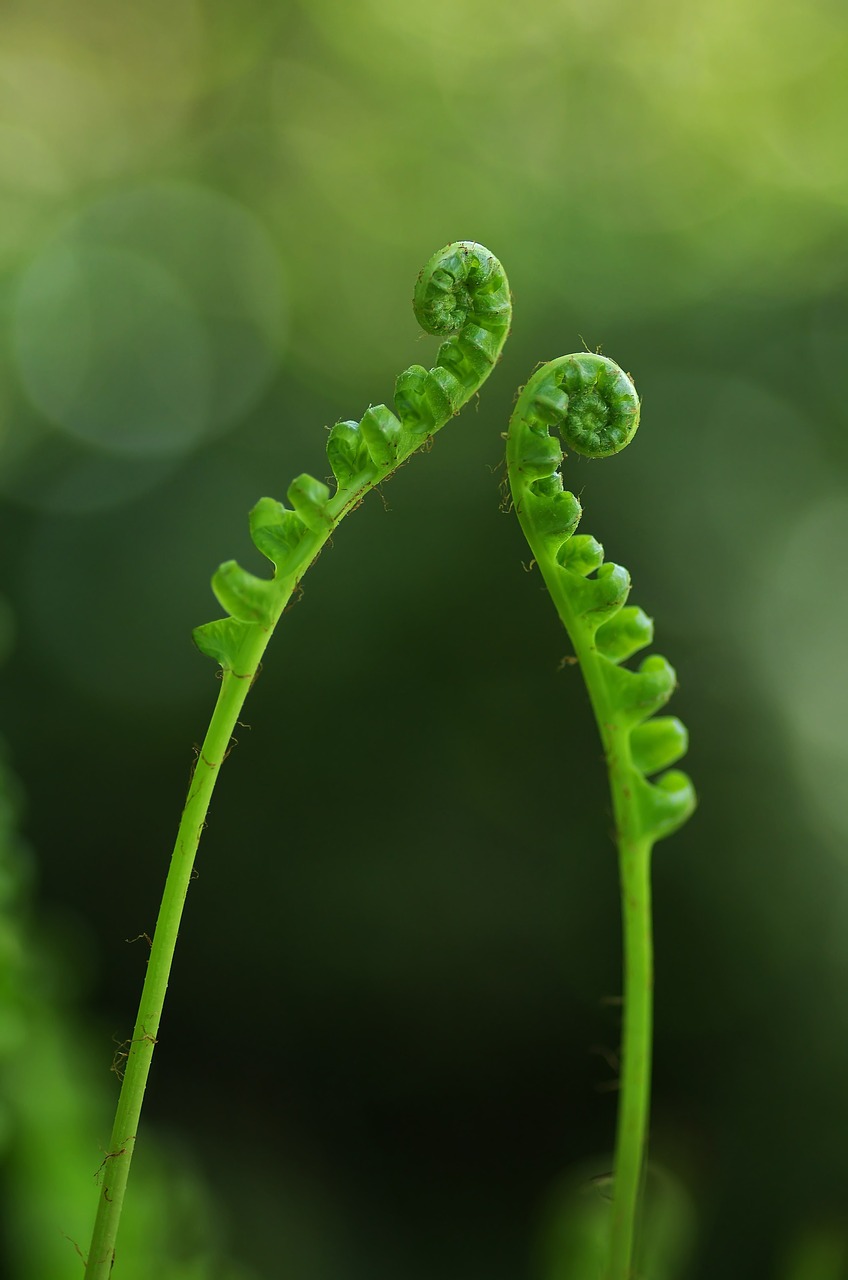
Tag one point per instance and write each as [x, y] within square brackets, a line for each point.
[53, 1104]
[819, 1253]
[574, 1238]
[380, 1045]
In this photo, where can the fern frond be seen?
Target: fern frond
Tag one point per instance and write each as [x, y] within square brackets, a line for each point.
[462, 295]
[595, 409]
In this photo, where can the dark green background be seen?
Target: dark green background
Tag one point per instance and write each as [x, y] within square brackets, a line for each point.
[386, 1033]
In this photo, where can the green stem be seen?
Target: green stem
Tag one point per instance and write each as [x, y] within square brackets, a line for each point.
[235, 685]
[462, 295]
[634, 865]
[635, 1096]
[116, 1165]
[596, 410]
[594, 406]
[634, 853]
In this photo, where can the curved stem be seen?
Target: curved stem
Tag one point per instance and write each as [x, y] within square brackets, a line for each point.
[594, 406]
[462, 295]
[116, 1165]
[635, 1096]
[634, 864]
[634, 867]
[634, 857]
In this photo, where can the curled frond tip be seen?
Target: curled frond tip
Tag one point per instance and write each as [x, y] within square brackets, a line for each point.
[590, 400]
[462, 283]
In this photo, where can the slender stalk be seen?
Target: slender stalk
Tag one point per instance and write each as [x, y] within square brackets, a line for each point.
[235, 686]
[116, 1165]
[634, 866]
[462, 295]
[594, 407]
[635, 1096]
[634, 856]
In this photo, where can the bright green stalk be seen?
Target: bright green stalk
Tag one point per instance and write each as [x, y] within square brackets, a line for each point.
[462, 291]
[116, 1166]
[596, 409]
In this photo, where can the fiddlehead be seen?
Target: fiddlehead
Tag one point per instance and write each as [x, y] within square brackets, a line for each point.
[595, 409]
[462, 294]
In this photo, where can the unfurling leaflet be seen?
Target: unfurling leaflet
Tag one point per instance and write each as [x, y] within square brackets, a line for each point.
[462, 295]
[594, 407]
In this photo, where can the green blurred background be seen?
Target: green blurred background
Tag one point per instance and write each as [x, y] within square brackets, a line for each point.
[389, 1026]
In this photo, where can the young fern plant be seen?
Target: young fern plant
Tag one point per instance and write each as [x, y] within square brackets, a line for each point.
[463, 292]
[595, 409]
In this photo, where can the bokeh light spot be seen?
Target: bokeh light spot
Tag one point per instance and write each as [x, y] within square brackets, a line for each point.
[803, 622]
[111, 349]
[154, 318]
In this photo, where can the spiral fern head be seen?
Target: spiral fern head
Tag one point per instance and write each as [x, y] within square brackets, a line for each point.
[462, 295]
[463, 291]
[590, 400]
[594, 407]
[462, 282]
